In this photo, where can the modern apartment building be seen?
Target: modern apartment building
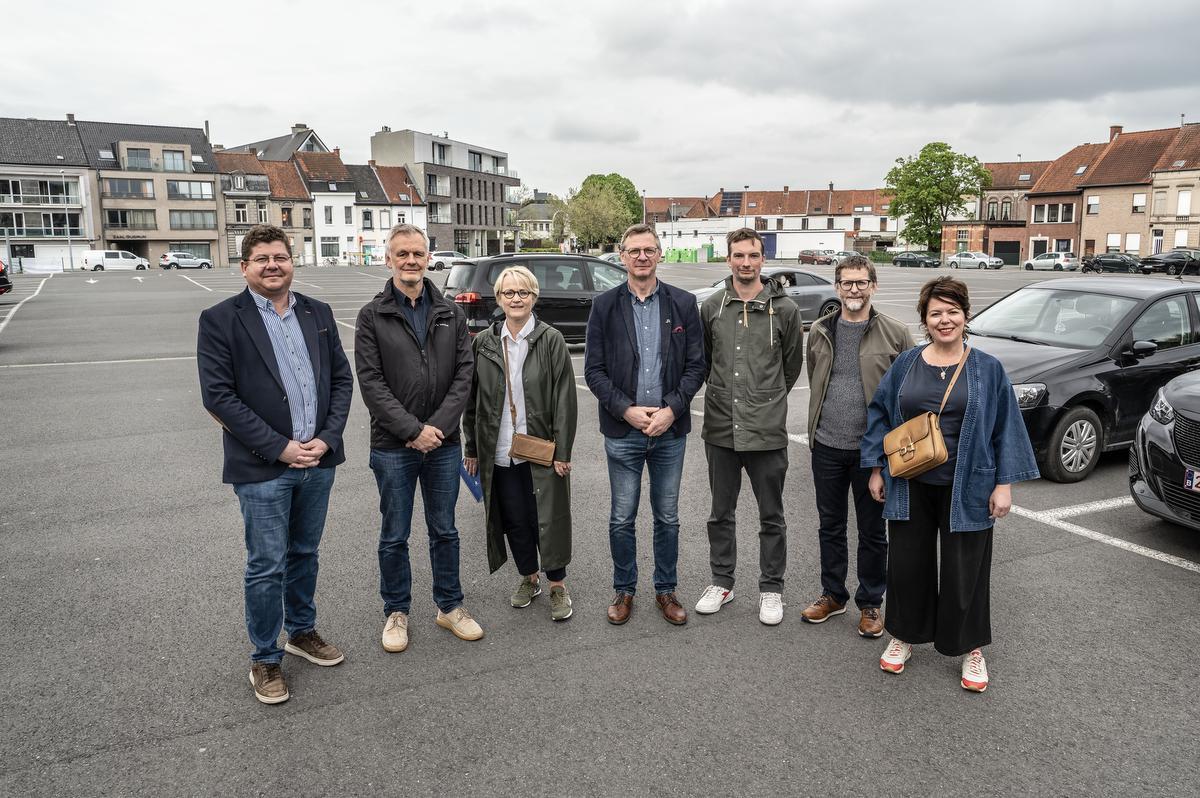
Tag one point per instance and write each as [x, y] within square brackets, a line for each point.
[469, 190]
[48, 195]
[158, 189]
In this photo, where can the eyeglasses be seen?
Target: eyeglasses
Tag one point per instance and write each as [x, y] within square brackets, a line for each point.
[510, 293]
[279, 260]
[649, 252]
[861, 285]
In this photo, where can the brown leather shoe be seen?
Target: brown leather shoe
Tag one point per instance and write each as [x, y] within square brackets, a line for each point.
[672, 610]
[822, 609]
[871, 623]
[313, 648]
[618, 611]
[268, 683]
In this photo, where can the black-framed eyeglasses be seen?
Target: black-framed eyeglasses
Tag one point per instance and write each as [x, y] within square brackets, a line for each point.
[861, 285]
[509, 293]
[279, 260]
[638, 252]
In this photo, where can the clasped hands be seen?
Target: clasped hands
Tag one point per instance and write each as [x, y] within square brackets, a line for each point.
[650, 421]
[304, 455]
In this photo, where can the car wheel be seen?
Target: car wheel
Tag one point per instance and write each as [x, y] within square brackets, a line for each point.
[953, 264]
[99, 267]
[1171, 270]
[139, 268]
[205, 265]
[1028, 267]
[828, 307]
[1134, 270]
[1075, 446]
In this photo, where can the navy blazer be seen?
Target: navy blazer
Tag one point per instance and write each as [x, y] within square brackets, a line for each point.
[241, 387]
[611, 361]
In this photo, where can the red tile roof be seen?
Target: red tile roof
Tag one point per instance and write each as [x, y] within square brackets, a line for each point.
[286, 182]
[1185, 147]
[1061, 178]
[1006, 174]
[323, 166]
[1129, 157]
[393, 180]
[247, 163]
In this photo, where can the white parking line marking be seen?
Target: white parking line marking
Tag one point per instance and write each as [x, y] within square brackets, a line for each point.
[1050, 519]
[193, 282]
[311, 285]
[17, 307]
[1090, 507]
[344, 324]
[96, 362]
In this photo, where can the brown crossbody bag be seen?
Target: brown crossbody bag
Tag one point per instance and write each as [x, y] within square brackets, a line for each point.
[524, 447]
[916, 446]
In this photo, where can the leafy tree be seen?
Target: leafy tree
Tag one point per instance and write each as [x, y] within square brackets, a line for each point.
[598, 213]
[624, 189]
[930, 188]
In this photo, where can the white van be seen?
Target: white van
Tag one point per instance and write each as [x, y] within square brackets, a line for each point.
[99, 260]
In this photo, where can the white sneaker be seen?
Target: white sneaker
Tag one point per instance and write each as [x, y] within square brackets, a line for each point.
[460, 622]
[895, 655]
[770, 608]
[974, 672]
[713, 599]
[395, 632]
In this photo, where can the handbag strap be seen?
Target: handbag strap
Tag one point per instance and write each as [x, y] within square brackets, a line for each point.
[512, 406]
[954, 379]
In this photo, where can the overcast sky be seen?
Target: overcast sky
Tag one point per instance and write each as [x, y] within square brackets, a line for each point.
[682, 98]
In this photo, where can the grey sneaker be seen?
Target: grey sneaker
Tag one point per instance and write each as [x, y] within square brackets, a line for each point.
[526, 590]
[560, 603]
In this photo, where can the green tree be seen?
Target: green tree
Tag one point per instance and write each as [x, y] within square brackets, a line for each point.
[930, 188]
[624, 188]
[598, 213]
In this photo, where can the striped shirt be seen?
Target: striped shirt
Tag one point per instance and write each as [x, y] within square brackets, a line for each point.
[295, 366]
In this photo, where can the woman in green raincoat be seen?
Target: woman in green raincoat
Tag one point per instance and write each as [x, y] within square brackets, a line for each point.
[524, 382]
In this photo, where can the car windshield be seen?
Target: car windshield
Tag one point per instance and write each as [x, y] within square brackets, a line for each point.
[460, 275]
[1056, 317]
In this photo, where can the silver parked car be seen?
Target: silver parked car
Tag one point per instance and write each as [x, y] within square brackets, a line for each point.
[183, 260]
[813, 293]
[1055, 261]
[974, 260]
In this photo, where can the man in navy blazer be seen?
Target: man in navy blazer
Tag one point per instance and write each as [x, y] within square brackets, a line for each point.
[274, 375]
[644, 361]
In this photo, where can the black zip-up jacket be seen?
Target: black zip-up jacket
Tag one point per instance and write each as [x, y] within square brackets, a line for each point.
[403, 385]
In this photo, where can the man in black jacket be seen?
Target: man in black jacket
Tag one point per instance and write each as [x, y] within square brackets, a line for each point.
[644, 362]
[414, 362]
[273, 374]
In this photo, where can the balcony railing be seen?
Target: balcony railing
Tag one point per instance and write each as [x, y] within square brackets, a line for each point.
[38, 232]
[127, 195]
[39, 199]
[155, 165]
[249, 186]
[196, 226]
[439, 218]
[179, 195]
[131, 226]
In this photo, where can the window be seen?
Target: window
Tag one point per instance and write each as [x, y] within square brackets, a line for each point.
[1093, 205]
[1160, 202]
[368, 222]
[1113, 243]
[605, 276]
[263, 218]
[804, 223]
[1178, 164]
[1133, 243]
[1051, 214]
[1062, 245]
[439, 153]
[883, 224]
[239, 213]
[1081, 169]
[306, 214]
[129, 219]
[329, 247]
[137, 158]
[962, 235]
[475, 161]
[1006, 209]
[286, 214]
[173, 161]
[779, 223]
[193, 220]
[124, 187]
[1156, 241]
[349, 214]
[857, 222]
[1139, 203]
[385, 220]
[1165, 323]
[333, 186]
[1039, 213]
[1068, 212]
[239, 182]
[829, 223]
[1183, 206]
[1023, 178]
[328, 214]
[991, 209]
[1181, 237]
[190, 189]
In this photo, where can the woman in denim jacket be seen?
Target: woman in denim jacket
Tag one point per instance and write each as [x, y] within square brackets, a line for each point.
[954, 505]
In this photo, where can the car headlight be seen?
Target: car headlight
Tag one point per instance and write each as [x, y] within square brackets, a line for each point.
[1161, 411]
[1029, 393]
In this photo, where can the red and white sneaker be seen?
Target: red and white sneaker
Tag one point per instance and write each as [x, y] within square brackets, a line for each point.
[974, 672]
[714, 598]
[895, 655]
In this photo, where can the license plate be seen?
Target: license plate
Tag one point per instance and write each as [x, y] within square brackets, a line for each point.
[1191, 479]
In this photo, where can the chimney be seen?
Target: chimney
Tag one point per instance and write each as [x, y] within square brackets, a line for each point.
[299, 126]
[831, 186]
[785, 189]
[337, 151]
[71, 120]
[206, 130]
[1114, 131]
[218, 148]
[385, 129]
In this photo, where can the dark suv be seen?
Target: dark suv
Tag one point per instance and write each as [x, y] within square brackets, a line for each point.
[1164, 463]
[567, 285]
[5, 283]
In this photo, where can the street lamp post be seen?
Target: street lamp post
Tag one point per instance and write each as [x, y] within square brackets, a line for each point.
[67, 217]
[746, 218]
[643, 206]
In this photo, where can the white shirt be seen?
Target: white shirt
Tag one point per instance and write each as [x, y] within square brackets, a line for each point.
[518, 348]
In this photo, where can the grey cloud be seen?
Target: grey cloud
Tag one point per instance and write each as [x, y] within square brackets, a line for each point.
[592, 131]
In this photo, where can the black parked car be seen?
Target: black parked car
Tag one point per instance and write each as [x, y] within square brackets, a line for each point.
[1085, 356]
[918, 259]
[1177, 261]
[1164, 463]
[1114, 262]
[567, 285]
[5, 283]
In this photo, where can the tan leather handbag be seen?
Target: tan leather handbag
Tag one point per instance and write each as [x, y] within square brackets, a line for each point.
[917, 446]
[525, 447]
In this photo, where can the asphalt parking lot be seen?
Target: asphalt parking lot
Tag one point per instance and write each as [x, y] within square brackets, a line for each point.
[125, 655]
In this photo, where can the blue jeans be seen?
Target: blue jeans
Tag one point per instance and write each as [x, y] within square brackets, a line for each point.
[663, 456]
[284, 518]
[396, 473]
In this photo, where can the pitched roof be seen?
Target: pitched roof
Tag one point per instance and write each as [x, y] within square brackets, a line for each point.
[285, 180]
[1007, 174]
[662, 205]
[1063, 176]
[244, 162]
[322, 168]
[370, 192]
[97, 136]
[280, 148]
[1185, 147]
[40, 142]
[1129, 157]
[394, 180]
